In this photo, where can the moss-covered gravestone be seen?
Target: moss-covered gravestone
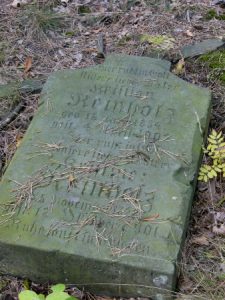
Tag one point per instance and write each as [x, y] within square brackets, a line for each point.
[99, 192]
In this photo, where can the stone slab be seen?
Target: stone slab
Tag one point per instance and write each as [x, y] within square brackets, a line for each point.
[202, 47]
[100, 190]
[27, 86]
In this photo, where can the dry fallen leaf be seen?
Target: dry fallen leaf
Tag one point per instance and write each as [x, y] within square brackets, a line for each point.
[89, 50]
[179, 68]
[27, 64]
[97, 30]
[219, 229]
[18, 140]
[71, 180]
[189, 33]
[200, 240]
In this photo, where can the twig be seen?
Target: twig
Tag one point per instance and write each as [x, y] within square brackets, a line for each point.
[188, 16]
[12, 115]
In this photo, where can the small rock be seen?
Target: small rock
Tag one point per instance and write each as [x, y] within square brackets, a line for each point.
[221, 3]
[78, 57]
[160, 281]
[222, 267]
[198, 26]
[201, 47]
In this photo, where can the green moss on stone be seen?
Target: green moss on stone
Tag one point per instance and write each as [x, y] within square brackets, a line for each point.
[216, 62]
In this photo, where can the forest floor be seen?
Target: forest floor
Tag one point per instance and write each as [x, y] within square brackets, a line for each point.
[45, 36]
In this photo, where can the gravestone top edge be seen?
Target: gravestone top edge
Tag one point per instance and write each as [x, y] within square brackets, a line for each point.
[134, 58]
[120, 61]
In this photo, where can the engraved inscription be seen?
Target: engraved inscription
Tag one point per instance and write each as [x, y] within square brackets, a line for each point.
[110, 135]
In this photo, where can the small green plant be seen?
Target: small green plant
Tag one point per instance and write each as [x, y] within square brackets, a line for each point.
[215, 61]
[212, 14]
[124, 40]
[37, 21]
[216, 153]
[84, 9]
[3, 46]
[57, 294]
[2, 56]
[47, 19]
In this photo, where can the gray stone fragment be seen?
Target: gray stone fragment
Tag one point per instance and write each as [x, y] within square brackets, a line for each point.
[201, 47]
[27, 86]
[160, 281]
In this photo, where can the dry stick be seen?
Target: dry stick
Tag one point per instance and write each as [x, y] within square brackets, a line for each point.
[12, 115]
[26, 86]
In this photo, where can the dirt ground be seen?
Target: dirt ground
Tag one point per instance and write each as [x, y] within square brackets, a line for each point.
[45, 36]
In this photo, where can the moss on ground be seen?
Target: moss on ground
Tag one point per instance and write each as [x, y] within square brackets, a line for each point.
[157, 41]
[84, 9]
[2, 53]
[212, 14]
[41, 19]
[2, 57]
[216, 63]
[124, 40]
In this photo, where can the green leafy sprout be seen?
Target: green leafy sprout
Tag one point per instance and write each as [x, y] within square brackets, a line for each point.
[58, 293]
[216, 153]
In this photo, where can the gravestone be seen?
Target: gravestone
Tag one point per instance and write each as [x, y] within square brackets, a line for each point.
[99, 192]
